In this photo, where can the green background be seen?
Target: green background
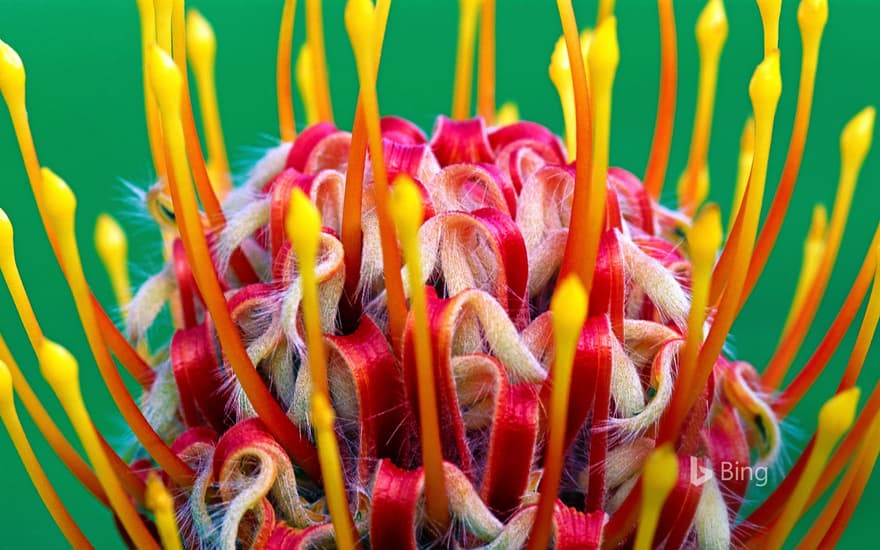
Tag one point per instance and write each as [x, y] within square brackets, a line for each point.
[84, 85]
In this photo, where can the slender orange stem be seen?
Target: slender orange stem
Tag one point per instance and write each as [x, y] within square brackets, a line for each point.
[361, 22]
[847, 493]
[658, 161]
[284, 91]
[486, 63]
[788, 347]
[352, 235]
[765, 89]
[803, 382]
[812, 17]
[582, 244]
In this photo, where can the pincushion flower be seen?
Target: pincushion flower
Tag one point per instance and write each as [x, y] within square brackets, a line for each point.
[485, 338]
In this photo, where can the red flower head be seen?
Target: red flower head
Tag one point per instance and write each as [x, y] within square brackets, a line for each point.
[485, 338]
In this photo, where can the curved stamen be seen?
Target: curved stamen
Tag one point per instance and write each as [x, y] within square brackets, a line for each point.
[362, 23]
[202, 49]
[582, 243]
[486, 64]
[704, 239]
[812, 15]
[764, 89]
[62, 206]
[352, 236]
[743, 168]
[315, 38]
[659, 475]
[855, 140]
[408, 212]
[835, 419]
[61, 372]
[711, 34]
[147, 15]
[303, 228]
[44, 487]
[284, 93]
[814, 249]
[168, 86]
[568, 313]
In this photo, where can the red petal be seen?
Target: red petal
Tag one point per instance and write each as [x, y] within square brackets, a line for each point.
[576, 530]
[402, 131]
[511, 448]
[305, 142]
[396, 495]
[457, 141]
[370, 362]
[200, 379]
[528, 133]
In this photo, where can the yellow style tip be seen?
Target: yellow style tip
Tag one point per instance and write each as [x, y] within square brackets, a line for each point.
[166, 80]
[818, 224]
[200, 41]
[360, 22]
[406, 205]
[303, 225]
[766, 86]
[60, 201]
[705, 235]
[604, 51]
[110, 240]
[837, 415]
[855, 140]
[6, 237]
[11, 74]
[58, 366]
[711, 28]
[558, 69]
[812, 16]
[660, 472]
[507, 114]
[7, 399]
[156, 496]
[569, 308]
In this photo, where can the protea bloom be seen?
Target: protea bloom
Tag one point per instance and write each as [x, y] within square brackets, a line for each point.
[483, 339]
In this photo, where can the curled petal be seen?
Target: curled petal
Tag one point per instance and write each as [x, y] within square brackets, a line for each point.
[402, 131]
[738, 383]
[470, 187]
[455, 141]
[248, 465]
[368, 393]
[200, 377]
[481, 249]
[414, 159]
[306, 142]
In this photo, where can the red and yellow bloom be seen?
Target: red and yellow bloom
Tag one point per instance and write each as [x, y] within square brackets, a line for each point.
[485, 338]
